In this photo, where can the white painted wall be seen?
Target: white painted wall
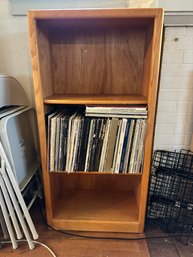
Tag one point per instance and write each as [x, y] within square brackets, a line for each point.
[14, 48]
[21, 6]
[175, 106]
[176, 5]
[174, 124]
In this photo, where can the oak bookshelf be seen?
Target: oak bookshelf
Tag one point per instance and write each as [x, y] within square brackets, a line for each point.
[96, 57]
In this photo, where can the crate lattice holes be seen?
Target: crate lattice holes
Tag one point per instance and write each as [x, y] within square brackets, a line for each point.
[170, 201]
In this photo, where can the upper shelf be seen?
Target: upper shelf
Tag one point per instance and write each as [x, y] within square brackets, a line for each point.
[95, 99]
[96, 56]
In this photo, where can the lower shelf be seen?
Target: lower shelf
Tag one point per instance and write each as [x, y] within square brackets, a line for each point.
[92, 210]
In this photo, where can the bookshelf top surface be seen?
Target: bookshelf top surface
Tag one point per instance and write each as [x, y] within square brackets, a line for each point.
[96, 13]
[60, 19]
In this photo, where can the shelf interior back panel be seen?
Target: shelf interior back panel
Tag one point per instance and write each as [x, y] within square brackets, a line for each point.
[99, 58]
[79, 196]
[77, 204]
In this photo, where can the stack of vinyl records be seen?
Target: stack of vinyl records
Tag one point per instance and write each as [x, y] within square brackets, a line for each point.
[97, 138]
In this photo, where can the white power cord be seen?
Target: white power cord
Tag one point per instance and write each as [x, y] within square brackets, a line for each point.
[36, 242]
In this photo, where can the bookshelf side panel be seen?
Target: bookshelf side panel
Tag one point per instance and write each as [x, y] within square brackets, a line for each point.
[147, 61]
[45, 60]
[40, 112]
[152, 102]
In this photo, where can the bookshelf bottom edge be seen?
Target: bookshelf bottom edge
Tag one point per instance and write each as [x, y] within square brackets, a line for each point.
[97, 226]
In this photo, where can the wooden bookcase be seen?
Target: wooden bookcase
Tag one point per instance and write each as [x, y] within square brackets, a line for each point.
[108, 56]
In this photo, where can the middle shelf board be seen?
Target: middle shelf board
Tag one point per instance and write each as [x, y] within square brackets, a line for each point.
[97, 173]
[95, 99]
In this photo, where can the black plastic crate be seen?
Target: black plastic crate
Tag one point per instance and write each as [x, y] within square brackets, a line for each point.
[170, 201]
[171, 219]
[172, 187]
[179, 162]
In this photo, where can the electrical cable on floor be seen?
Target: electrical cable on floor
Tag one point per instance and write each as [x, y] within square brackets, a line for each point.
[116, 238]
[90, 237]
[35, 242]
[108, 238]
[179, 255]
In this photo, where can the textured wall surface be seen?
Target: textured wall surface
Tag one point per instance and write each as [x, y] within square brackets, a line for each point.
[14, 48]
[174, 124]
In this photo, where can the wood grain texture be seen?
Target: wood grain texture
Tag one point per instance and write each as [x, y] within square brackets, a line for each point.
[97, 182]
[97, 210]
[38, 88]
[137, 14]
[45, 61]
[70, 246]
[83, 195]
[96, 57]
[95, 99]
[147, 60]
[152, 104]
[96, 60]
